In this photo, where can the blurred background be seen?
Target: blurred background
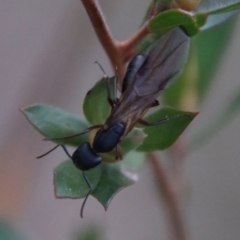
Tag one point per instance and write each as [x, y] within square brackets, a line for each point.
[47, 50]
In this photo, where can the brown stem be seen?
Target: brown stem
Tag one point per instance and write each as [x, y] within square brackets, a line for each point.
[117, 51]
[125, 48]
[170, 199]
[103, 33]
[127, 45]
[178, 154]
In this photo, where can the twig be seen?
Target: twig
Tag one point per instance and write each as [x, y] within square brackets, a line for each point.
[117, 51]
[127, 45]
[109, 44]
[169, 198]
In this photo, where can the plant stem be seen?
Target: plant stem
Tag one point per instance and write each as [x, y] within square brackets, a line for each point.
[127, 45]
[118, 52]
[170, 199]
[103, 33]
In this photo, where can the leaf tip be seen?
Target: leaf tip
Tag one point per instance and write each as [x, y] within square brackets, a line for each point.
[88, 92]
[195, 114]
[21, 109]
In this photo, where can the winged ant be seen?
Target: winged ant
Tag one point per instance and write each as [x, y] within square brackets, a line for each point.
[146, 76]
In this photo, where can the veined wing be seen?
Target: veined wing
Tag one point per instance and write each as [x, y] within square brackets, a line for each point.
[164, 62]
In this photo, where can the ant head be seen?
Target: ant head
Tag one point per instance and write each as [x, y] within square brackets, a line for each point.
[85, 158]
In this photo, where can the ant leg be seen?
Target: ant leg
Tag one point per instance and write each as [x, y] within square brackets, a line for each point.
[66, 151]
[155, 103]
[143, 122]
[161, 121]
[118, 155]
[112, 101]
[75, 135]
[115, 83]
[89, 192]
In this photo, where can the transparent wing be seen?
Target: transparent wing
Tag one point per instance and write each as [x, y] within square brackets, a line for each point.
[164, 62]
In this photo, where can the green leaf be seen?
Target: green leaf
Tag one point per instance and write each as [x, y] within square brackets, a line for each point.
[53, 122]
[217, 124]
[170, 19]
[227, 8]
[200, 19]
[106, 180]
[132, 140]
[92, 232]
[220, 6]
[209, 55]
[8, 232]
[218, 11]
[214, 20]
[193, 22]
[69, 182]
[164, 135]
[95, 106]
[112, 181]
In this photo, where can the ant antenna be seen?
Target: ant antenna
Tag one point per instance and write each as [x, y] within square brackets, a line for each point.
[89, 192]
[43, 155]
[64, 149]
[75, 135]
[110, 100]
[115, 86]
[104, 73]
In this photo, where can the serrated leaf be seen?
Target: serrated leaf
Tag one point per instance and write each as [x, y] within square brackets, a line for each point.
[95, 106]
[170, 19]
[53, 122]
[69, 181]
[106, 179]
[164, 135]
[113, 179]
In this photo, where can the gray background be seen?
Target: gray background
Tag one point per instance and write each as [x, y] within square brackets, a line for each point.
[47, 50]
